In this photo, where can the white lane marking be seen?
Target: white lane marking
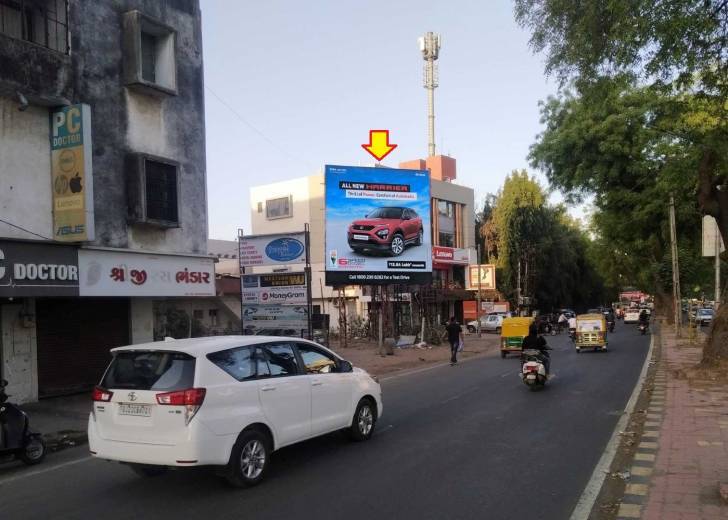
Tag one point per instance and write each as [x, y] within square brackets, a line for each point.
[509, 373]
[25, 475]
[461, 394]
[594, 486]
[431, 367]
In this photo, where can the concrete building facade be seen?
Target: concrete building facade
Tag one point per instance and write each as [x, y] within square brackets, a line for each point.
[130, 73]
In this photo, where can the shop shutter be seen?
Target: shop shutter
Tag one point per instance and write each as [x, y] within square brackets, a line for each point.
[74, 338]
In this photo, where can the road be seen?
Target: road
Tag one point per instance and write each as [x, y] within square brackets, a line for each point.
[462, 442]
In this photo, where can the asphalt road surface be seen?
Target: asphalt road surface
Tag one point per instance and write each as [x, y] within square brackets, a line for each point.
[462, 442]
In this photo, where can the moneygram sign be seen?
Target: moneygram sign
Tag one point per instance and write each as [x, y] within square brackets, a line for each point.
[272, 249]
[289, 289]
[71, 174]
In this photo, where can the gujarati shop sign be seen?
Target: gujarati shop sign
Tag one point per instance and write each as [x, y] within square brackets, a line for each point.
[72, 174]
[37, 269]
[112, 273]
[272, 249]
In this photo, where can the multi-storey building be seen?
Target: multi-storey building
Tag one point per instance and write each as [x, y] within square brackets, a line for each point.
[103, 215]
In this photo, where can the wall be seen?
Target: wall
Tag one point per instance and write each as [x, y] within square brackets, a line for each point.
[19, 353]
[298, 189]
[462, 195]
[142, 320]
[25, 166]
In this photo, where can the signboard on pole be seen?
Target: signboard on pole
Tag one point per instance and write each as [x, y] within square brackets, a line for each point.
[288, 248]
[275, 320]
[71, 174]
[487, 277]
[288, 288]
[377, 226]
[710, 235]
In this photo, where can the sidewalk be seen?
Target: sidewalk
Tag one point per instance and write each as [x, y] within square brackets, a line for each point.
[61, 420]
[681, 463]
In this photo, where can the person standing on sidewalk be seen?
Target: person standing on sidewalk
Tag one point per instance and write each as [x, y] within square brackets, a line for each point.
[454, 334]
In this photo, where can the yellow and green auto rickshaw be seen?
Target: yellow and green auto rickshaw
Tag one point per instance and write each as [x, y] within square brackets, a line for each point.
[513, 330]
[591, 332]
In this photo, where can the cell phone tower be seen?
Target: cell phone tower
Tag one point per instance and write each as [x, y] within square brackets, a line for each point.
[430, 48]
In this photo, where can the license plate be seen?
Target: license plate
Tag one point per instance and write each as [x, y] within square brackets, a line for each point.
[531, 376]
[141, 410]
[361, 237]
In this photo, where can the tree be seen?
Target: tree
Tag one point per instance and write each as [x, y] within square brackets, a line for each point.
[483, 232]
[677, 52]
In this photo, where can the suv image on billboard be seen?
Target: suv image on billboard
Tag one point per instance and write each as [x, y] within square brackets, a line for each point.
[386, 229]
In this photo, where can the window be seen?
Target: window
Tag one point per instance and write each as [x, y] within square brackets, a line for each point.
[149, 55]
[280, 360]
[44, 22]
[152, 190]
[238, 362]
[144, 370]
[278, 208]
[446, 239]
[161, 191]
[213, 317]
[315, 361]
[260, 207]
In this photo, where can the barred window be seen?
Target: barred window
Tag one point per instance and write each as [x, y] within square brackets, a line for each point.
[43, 22]
[161, 191]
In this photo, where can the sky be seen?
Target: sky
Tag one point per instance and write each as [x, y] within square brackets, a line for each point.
[291, 86]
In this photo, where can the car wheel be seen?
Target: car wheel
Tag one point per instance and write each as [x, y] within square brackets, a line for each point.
[248, 459]
[34, 453]
[471, 329]
[144, 470]
[362, 424]
[420, 237]
[397, 245]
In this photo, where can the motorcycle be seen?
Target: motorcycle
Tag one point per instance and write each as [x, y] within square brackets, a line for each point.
[643, 328]
[17, 440]
[610, 326]
[572, 334]
[533, 370]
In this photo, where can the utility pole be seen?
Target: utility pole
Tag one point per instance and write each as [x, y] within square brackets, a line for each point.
[430, 48]
[477, 312]
[717, 267]
[518, 288]
[675, 269]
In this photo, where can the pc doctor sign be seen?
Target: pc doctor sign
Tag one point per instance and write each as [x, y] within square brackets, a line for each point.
[71, 174]
[377, 226]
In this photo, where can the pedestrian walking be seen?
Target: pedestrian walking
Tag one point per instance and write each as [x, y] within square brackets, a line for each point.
[454, 333]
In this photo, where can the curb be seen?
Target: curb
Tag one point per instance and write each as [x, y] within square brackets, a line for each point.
[588, 498]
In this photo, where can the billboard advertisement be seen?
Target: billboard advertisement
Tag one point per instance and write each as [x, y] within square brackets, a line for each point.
[486, 273]
[289, 248]
[377, 226]
[288, 288]
[275, 320]
[71, 174]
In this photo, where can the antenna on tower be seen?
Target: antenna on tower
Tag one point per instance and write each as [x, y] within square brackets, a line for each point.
[430, 47]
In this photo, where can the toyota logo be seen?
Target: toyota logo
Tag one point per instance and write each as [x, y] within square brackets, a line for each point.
[132, 396]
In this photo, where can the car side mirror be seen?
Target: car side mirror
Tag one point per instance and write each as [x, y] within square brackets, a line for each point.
[345, 366]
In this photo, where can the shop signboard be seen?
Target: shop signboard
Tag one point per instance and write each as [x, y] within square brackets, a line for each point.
[283, 249]
[377, 226]
[275, 320]
[37, 269]
[72, 174]
[281, 288]
[483, 279]
[116, 273]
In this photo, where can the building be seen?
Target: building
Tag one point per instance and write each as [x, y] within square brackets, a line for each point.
[287, 206]
[103, 210]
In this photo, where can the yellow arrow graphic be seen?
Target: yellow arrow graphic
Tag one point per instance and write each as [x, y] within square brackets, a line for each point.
[378, 145]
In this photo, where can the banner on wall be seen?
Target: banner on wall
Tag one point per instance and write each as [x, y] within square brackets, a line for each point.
[72, 174]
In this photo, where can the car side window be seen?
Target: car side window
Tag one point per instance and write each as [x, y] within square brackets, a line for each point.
[281, 359]
[315, 361]
[238, 362]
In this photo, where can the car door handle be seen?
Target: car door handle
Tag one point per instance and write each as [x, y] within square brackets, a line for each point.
[316, 382]
[268, 388]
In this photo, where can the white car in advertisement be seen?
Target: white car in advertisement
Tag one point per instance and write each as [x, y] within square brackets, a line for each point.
[226, 401]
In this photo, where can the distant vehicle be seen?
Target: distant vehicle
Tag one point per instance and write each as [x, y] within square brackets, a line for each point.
[225, 401]
[704, 316]
[489, 323]
[386, 229]
[631, 316]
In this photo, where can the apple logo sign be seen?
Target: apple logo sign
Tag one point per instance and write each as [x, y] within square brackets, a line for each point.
[75, 184]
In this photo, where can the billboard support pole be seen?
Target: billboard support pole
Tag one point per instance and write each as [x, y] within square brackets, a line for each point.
[241, 273]
[717, 268]
[309, 297]
[477, 311]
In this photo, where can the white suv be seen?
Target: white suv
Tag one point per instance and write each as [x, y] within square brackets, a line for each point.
[226, 401]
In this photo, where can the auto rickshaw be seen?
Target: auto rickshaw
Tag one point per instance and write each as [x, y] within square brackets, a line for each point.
[513, 330]
[591, 332]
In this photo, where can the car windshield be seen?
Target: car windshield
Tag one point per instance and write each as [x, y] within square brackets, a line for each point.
[394, 213]
[708, 312]
[145, 370]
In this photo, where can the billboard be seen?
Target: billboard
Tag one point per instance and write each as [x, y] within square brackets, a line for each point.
[71, 174]
[487, 277]
[288, 288]
[283, 249]
[275, 320]
[377, 226]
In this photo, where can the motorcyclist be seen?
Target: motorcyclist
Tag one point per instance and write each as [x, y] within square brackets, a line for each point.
[535, 342]
[644, 318]
[610, 318]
